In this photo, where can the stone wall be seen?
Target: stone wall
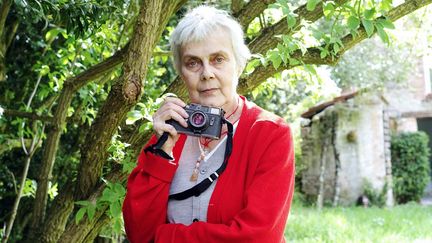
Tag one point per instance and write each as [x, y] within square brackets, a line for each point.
[359, 143]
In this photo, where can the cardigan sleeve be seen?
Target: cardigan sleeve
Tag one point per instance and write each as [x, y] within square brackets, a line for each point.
[147, 190]
[267, 200]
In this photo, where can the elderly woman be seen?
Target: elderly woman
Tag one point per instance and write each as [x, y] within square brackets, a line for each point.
[249, 201]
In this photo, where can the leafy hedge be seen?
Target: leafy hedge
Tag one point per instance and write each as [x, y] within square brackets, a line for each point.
[410, 165]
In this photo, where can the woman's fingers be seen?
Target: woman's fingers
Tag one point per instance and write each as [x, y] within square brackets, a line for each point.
[172, 108]
[171, 112]
[174, 100]
[176, 116]
[163, 127]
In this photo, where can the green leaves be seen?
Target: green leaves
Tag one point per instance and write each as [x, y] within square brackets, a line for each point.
[29, 188]
[385, 23]
[380, 25]
[117, 149]
[112, 197]
[257, 60]
[88, 208]
[369, 13]
[410, 165]
[311, 4]
[133, 116]
[353, 22]
[328, 9]
[368, 22]
[369, 27]
[284, 51]
[143, 112]
[275, 58]
[287, 10]
[291, 20]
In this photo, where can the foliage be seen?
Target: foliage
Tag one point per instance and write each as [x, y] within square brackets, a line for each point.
[372, 65]
[376, 197]
[112, 198]
[339, 21]
[404, 223]
[410, 165]
[51, 47]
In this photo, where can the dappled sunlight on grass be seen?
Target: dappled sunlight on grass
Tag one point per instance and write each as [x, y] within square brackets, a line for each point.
[404, 223]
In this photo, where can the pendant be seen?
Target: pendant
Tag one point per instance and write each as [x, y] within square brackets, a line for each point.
[194, 175]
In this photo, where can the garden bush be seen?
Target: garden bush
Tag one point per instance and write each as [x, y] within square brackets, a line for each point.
[410, 165]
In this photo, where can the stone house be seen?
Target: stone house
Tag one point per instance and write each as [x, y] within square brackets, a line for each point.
[346, 141]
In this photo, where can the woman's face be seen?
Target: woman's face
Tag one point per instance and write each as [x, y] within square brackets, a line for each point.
[209, 69]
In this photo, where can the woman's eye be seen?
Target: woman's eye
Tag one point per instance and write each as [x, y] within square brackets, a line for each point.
[192, 63]
[219, 59]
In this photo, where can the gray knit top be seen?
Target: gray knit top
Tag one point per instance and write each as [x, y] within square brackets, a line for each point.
[194, 208]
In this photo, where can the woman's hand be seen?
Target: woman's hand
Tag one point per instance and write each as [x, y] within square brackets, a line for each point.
[172, 108]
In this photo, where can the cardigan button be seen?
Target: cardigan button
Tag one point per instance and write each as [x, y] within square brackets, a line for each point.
[195, 220]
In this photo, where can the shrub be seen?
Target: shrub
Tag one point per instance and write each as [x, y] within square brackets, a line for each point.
[376, 197]
[410, 165]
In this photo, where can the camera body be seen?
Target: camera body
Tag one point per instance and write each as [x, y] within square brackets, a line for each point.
[203, 121]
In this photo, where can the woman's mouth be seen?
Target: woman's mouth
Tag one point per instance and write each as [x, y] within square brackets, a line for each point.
[209, 91]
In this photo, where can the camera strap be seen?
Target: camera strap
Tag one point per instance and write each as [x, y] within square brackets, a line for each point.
[204, 184]
[157, 147]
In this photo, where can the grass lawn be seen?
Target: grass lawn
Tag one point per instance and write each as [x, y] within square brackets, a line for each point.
[404, 223]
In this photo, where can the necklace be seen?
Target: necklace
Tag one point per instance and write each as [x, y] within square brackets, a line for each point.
[207, 141]
[203, 146]
[201, 157]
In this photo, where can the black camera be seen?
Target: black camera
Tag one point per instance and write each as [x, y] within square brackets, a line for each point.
[203, 121]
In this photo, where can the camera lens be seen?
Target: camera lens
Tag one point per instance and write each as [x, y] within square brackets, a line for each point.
[198, 119]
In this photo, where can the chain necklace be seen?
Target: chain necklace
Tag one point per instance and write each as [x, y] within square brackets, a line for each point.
[204, 147]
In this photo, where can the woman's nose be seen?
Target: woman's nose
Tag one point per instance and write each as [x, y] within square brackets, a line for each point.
[207, 72]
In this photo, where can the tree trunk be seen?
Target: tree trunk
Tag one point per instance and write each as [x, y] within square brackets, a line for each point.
[5, 36]
[387, 156]
[48, 157]
[124, 94]
[320, 198]
[54, 224]
[337, 163]
[55, 130]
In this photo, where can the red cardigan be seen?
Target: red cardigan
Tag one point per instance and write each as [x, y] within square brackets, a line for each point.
[250, 202]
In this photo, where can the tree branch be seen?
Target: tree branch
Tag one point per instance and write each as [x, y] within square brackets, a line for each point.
[394, 14]
[71, 85]
[4, 11]
[10, 34]
[250, 11]
[236, 5]
[30, 115]
[267, 40]
[97, 70]
[123, 96]
[10, 144]
[312, 56]
[86, 228]
[111, 122]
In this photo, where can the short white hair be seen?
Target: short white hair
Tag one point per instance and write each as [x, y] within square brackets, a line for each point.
[199, 23]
